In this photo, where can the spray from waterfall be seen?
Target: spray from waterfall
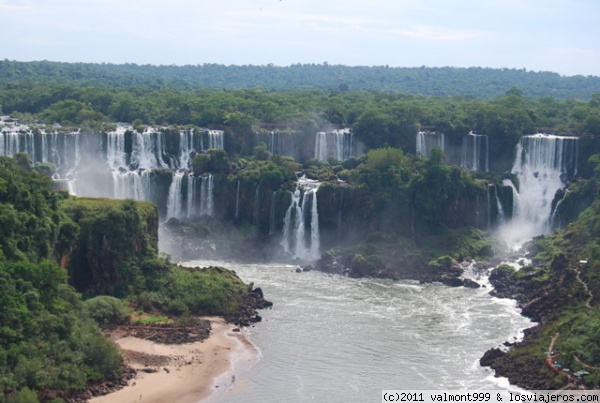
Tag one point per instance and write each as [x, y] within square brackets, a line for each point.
[338, 144]
[427, 140]
[475, 152]
[543, 164]
[302, 218]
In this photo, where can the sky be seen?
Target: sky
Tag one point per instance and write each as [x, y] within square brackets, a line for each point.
[562, 36]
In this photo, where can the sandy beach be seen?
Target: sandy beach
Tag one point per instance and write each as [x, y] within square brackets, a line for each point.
[190, 372]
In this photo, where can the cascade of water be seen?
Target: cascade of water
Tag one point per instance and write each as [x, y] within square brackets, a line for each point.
[501, 214]
[73, 170]
[191, 195]
[300, 250]
[131, 185]
[427, 140]
[475, 152]
[215, 139]
[294, 240]
[14, 141]
[115, 149]
[256, 204]
[554, 214]
[160, 146]
[543, 164]
[272, 215]
[174, 199]
[271, 145]
[289, 219]
[237, 201]
[314, 252]
[206, 196]
[186, 147]
[143, 152]
[338, 144]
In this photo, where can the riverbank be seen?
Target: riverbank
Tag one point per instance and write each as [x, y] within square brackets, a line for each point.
[188, 372]
[559, 296]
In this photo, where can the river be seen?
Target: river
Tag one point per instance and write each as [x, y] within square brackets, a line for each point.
[332, 338]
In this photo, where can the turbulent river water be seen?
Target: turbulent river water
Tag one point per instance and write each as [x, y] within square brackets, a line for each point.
[330, 338]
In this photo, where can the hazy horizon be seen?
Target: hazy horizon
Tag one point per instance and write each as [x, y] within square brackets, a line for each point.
[553, 35]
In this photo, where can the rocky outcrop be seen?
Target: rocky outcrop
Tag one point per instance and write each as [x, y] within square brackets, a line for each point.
[246, 313]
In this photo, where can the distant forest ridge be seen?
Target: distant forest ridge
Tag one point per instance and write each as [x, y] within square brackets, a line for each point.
[477, 82]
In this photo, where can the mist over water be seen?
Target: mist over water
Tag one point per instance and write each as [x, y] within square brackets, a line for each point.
[333, 338]
[543, 164]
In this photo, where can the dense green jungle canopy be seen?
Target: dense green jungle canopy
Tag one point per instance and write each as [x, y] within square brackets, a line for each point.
[49, 335]
[443, 81]
[378, 119]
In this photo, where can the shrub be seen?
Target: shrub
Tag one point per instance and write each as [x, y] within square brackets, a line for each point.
[106, 310]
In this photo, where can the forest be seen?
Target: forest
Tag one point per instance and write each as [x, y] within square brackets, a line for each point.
[441, 81]
[55, 293]
[52, 281]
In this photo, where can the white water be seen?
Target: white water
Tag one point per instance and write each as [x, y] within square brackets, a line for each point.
[128, 171]
[542, 164]
[207, 204]
[335, 339]
[338, 144]
[174, 200]
[475, 152]
[427, 140]
[294, 240]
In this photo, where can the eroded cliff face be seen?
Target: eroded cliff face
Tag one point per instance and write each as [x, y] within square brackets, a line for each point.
[113, 240]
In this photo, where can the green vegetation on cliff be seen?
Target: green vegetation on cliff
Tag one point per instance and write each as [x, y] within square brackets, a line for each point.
[560, 290]
[47, 340]
[50, 342]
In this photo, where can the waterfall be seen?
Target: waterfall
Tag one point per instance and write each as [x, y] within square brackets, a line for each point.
[215, 139]
[206, 196]
[553, 216]
[294, 240]
[272, 215]
[256, 204]
[16, 140]
[475, 152]
[160, 146]
[191, 195]
[427, 140]
[115, 149]
[501, 215]
[338, 144]
[271, 145]
[186, 147]
[144, 153]
[237, 201]
[314, 252]
[131, 184]
[543, 165]
[291, 216]
[174, 200]
[120, 163]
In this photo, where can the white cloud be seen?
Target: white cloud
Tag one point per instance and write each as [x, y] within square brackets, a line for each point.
[439, 33]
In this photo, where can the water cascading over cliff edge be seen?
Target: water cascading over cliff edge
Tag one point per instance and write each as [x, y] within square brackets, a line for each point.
[301, 236]
[543, 164]
[122, 163]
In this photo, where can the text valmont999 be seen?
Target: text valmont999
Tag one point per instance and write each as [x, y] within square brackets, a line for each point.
[489, 396]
